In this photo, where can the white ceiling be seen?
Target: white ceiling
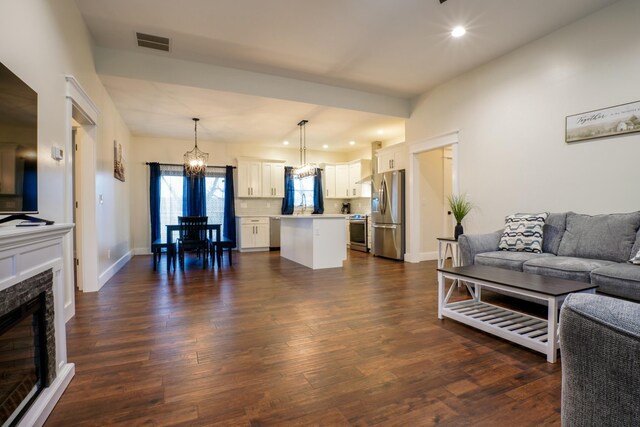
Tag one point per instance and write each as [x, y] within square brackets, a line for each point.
[165, 110]
[398, 48]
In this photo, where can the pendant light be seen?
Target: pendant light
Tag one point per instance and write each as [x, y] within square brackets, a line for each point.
[305, 169]
[195, 161]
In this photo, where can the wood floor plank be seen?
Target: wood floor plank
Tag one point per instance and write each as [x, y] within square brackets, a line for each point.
[269, 342]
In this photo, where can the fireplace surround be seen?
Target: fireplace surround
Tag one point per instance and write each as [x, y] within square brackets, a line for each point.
[32, 322]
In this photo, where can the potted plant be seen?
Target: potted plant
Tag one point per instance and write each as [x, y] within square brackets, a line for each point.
[460, 207]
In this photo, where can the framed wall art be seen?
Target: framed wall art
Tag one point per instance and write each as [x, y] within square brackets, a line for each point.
[118, 161]
[612, 121]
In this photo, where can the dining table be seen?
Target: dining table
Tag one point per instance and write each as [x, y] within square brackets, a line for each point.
[171, 252]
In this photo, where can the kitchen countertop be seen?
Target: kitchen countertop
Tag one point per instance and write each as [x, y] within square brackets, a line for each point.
[321, 216]
[295, 216]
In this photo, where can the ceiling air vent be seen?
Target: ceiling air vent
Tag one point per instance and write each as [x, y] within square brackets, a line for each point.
[153, 42]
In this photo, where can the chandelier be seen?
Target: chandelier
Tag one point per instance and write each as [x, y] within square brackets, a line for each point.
[305, 169]
[195, 161]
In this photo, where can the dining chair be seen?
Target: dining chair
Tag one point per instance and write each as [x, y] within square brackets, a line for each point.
[157, 248]
[193, 236]
[218, 250]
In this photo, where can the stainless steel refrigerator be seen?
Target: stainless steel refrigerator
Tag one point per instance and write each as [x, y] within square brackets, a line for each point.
[387, 214]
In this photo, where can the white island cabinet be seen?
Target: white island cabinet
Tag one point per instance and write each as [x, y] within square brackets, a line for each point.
[315, 241]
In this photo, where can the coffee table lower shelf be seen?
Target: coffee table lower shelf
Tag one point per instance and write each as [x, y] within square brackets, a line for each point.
[528, 331]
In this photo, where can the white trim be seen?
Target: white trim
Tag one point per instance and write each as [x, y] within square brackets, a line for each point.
[113, 269]
[26, 252]
[414, 148]
[141, 251]
[42, 407]
[80, 104]
[429, 256]
[433, 142]
[84, 103]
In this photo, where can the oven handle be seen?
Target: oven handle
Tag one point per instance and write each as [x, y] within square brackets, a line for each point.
[385, 226]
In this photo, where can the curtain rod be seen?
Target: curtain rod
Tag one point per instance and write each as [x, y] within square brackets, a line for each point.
[181, 164]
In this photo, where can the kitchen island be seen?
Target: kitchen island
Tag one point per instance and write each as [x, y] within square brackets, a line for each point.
[315, 241]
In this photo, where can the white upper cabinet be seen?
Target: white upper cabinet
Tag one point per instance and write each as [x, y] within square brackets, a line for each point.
[249, 178]
[392, 158]
[354, 178]
[330, 181]
[260, 178]
[273, 180]
[343, 180]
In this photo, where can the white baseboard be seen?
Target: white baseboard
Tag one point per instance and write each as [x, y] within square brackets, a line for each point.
[46, 401]
[113, 269]
[141, 251]
[429, 256]
[411, 257]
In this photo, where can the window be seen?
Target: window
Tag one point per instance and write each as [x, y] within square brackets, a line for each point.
[171, 196]
[171, 186]
[303, 187]
[214, 188]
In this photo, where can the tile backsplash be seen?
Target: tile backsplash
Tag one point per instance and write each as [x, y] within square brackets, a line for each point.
[274, 206]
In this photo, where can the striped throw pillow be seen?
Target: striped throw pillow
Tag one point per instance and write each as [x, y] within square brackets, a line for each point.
[523, 233]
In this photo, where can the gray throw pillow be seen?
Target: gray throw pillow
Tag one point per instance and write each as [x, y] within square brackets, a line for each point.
[523, 233]
[607, 237]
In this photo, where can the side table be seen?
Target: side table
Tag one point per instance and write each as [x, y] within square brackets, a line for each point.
[450, 246]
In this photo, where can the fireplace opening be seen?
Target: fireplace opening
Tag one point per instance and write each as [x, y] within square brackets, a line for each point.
[23, 358]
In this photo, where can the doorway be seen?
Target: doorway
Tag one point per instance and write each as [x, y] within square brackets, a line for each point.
[435, 175]
[80, 247]
[432, 176]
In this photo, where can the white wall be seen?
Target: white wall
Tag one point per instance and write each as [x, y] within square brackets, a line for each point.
[431, 201]
[44, 40]
[511, 112]
[167, 150]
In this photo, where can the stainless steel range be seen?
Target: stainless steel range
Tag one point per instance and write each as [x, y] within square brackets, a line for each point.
[358, 233]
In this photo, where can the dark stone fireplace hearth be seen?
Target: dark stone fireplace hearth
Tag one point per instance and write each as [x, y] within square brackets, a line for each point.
[27, 341]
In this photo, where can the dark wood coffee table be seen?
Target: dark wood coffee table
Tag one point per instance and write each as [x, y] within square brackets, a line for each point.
[529, 331]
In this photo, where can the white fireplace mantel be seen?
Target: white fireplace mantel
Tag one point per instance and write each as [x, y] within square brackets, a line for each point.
[25, 252]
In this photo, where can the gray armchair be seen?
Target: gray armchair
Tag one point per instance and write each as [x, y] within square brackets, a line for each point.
[600, 353]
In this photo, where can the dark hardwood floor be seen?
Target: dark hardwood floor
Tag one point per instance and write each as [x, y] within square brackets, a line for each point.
[269, 342]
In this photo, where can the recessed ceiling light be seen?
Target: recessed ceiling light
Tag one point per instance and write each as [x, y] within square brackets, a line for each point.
[352, 143]
[325, 146]
[285, 142]
[380, 131]
[458, 31]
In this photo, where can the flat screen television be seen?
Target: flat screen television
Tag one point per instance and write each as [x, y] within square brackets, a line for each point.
[18, 145]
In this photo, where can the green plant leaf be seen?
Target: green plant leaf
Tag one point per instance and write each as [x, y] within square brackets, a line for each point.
[460, 206]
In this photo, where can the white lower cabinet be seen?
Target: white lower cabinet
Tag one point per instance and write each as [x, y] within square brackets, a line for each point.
[253, 233]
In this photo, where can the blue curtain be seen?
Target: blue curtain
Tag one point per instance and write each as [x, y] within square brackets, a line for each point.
[194, 196]
[229, 226]
[154, 200]
[289, 191]
[318, 194]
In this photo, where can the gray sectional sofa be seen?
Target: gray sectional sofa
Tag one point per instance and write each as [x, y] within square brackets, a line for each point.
[600, 342]
[593, 249]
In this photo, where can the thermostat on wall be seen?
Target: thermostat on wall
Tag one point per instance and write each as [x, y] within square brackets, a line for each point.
[56, 153]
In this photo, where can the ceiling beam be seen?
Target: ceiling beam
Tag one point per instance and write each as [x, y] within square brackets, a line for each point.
[158, 68]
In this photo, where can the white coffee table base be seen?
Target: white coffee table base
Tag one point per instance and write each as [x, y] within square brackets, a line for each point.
[529, 331]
